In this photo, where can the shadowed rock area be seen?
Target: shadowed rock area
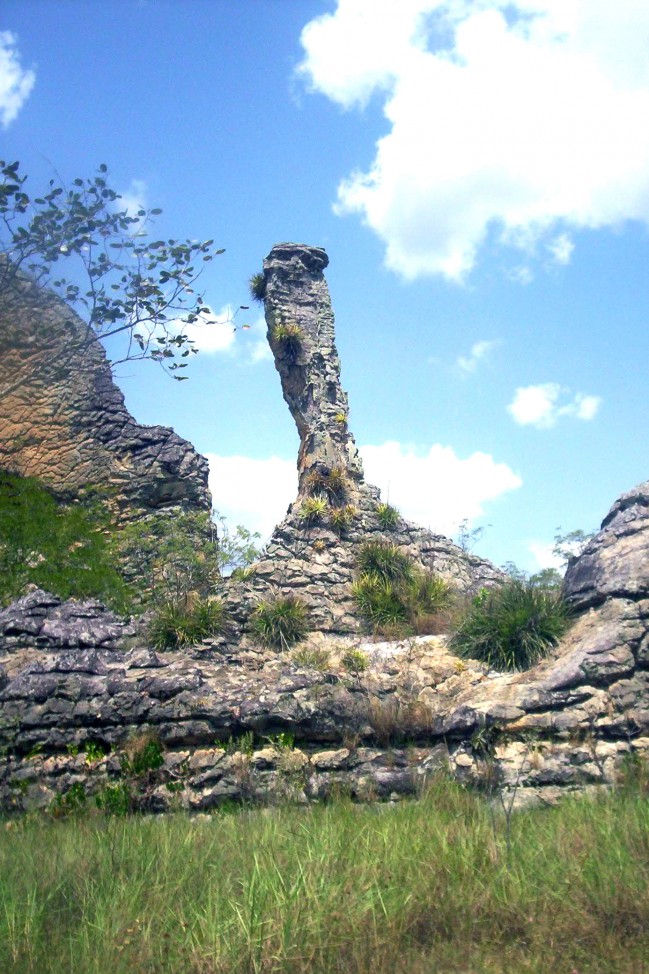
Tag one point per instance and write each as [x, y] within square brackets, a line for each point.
[63, 419]
[314, 557]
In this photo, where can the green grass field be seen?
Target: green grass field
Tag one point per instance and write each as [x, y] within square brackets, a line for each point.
[423, 887]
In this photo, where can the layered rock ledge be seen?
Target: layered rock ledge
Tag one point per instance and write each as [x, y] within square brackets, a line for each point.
[222, 713]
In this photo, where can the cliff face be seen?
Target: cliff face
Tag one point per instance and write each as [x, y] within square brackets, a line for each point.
[63, 419]
[315, 556]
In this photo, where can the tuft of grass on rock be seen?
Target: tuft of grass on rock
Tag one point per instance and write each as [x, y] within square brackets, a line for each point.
[280, 622]
[179, 623]
[512, 627]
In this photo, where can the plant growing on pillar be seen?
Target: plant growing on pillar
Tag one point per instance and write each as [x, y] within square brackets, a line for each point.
[332, 483]
[387, 516]
[342, 517]
[313, 509]
[257, 287]
[288, 339]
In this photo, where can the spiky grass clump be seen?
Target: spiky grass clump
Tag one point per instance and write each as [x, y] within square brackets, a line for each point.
[257, 287]
[280, 622]
[512, 627]
[313, 509]
[176, 624]
[387, 515]
[288, 339]
[380, 601]
[331, 483]
[394, 595]
[342, 517]
[383, 559]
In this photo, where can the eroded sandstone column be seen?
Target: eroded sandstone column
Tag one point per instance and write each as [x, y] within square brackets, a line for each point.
[301, 335]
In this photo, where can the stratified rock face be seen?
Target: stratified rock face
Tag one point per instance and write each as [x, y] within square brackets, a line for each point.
[297, 297]
[63, 419]
[615, 563]
[315, 556]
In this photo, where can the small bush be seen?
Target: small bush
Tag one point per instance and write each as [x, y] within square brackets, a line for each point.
[176, 624]
[387, 515]
[257, 286]
[243, 573]
[313, 509]
[512, 627]
[280, 622]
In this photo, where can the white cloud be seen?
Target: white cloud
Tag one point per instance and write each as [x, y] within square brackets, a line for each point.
[255, 493]
[561, 249]
[543, 553]
[212, 332]
[133, 199]
[479, 350]
[541, 406]
[258, 349]
[508, 118]
[437, 489]
[16, 83]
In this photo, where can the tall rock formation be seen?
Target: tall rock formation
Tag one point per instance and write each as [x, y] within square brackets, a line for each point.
[63, 419]
[310, 554]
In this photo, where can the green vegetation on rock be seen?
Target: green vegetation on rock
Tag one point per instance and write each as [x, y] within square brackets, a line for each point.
[512, 627]
[280, 622]
[65, 548]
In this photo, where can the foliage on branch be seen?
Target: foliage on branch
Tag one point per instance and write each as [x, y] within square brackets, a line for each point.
[117, 276]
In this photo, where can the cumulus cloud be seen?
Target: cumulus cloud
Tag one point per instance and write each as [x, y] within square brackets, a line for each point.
[479, 350]
[435, 488]
[133, 199]
[517, 120]
[541, 405]
[211, 332]
[255, 493]
[16, 82]
[544, 556]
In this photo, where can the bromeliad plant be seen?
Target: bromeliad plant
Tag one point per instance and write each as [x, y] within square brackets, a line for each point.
[280, 621]
[394, 595]
[176, 624]
[512, 627]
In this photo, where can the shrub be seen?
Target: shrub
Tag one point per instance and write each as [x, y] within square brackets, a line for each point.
[243, 573]
[313, 509]
[142, 753]
[512, 627]
[257, 286]
[67, 549]
[387, 515]
[280, 622]
[355, 661]
[184, 623]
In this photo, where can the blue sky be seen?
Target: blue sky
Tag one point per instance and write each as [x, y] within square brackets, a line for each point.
[478, 172]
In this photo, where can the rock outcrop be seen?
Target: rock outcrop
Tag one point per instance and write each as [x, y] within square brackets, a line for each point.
[63, 419]
[314, 555]
[222, 713]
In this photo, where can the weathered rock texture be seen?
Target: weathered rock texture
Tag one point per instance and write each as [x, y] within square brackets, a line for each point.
[63, 420]
[315, 557]
[569, 724]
